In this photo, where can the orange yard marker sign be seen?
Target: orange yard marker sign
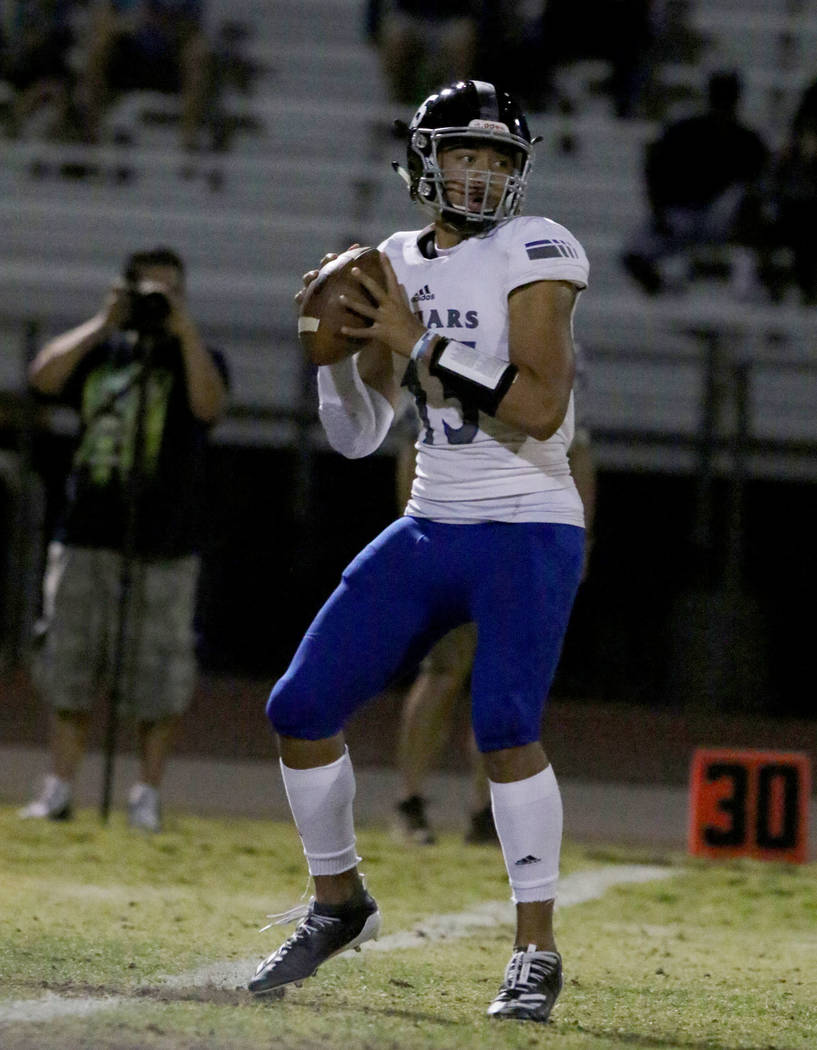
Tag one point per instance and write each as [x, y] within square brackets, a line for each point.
[749, 803]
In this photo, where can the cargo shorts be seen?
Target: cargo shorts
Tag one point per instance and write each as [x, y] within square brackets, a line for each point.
[76, 659]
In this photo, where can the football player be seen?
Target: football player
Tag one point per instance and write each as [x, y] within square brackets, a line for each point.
[474, 318]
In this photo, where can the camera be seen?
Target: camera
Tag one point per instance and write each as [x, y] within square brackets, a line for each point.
[149, 309]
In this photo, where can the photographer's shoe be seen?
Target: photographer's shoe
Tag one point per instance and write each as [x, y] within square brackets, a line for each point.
[143, 808]
[52, 803]
[324, 931]
[532, 984]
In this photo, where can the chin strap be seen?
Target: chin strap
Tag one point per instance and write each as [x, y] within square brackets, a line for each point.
[401, 171]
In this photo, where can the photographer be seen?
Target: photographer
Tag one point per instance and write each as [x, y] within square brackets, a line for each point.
[120, 581]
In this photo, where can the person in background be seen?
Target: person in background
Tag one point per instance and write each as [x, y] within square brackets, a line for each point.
[119, 589]
[791, 208]
[526, 43]
[422, 43]
[701, 176]
[146, 45]
[430, 704]
[36, 37]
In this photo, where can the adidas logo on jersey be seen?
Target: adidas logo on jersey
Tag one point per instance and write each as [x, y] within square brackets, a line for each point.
[424, 295]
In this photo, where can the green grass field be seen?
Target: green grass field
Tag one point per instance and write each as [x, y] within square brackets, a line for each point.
[96, 919]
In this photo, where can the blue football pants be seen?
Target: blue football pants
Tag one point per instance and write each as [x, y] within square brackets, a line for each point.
[412, 584]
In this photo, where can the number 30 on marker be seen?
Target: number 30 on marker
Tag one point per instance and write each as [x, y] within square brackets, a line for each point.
[749, 803]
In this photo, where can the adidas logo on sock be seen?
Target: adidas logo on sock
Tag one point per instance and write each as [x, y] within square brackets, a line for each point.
[530, 859]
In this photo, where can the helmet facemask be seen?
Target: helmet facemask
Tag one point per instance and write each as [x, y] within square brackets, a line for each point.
[470, 200]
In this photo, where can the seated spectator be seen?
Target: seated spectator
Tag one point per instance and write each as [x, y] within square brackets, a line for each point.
[701, 177]
[422, 43]
[792, 208]
[805, 117]
[523, 44]
[628, 28]
[35, 39]
[147, 45]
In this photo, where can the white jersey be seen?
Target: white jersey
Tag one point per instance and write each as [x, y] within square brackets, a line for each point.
[470, 466]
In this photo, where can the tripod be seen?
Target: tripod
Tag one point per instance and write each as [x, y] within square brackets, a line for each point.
[133, 488]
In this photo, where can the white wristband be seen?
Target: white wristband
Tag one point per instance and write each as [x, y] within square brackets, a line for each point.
[422, 345]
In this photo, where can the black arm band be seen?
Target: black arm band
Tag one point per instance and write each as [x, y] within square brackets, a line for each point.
[474, 379]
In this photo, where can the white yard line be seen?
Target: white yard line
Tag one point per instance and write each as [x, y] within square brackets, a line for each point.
[573, 889]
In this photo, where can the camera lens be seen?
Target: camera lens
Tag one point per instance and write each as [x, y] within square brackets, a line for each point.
[149, 310]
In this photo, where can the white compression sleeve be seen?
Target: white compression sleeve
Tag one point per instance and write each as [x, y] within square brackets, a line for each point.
[321, 802]
[356, 418]
[528, 818]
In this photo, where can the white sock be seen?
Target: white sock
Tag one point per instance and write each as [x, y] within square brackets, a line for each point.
[528, 818]
[321, 802]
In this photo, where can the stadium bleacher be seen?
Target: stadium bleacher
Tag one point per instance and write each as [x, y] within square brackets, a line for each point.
[311, 173]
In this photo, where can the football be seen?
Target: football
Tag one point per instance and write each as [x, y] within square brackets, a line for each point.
[322, 315]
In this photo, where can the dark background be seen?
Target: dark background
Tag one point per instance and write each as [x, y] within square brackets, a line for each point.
[655, 622]
[660, 656]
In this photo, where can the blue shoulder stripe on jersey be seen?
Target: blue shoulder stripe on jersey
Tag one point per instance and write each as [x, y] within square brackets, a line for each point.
[550, 249]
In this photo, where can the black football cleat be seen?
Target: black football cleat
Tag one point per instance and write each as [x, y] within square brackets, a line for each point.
[324, 931]
[532, 984]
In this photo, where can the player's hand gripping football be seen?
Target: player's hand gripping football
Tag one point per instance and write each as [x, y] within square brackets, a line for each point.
[392, 322]
[310, 275]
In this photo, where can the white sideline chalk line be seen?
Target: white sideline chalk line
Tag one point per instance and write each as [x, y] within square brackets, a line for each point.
[573, 889]
[52, 1006]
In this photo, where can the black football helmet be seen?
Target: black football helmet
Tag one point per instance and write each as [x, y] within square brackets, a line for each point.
[468, 112]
